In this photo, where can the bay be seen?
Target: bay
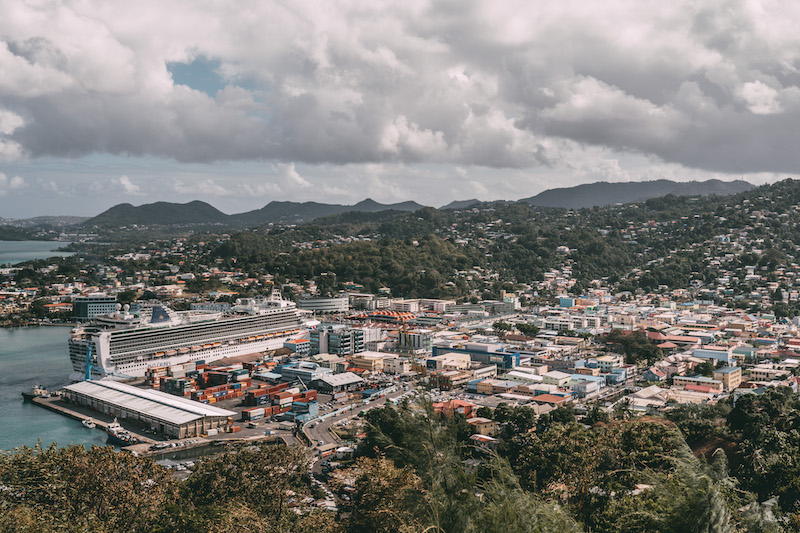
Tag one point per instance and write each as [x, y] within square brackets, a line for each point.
[29, 356]
[13, 252]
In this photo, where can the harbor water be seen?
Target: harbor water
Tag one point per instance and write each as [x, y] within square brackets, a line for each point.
[12, 252]
[29, 356]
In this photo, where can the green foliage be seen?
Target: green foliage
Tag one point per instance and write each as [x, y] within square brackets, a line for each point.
[700, 422]
[528, 329]
[430, 446]
[423, 269]
[72, 489]
[385, 499]
[635, 345]
[502, 326]
[505, 506]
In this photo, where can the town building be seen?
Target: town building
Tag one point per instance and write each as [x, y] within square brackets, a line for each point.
[88, 307]
[151, 410]
[730, 376]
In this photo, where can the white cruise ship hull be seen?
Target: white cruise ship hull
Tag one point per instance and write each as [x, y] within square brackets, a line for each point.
[124, 353]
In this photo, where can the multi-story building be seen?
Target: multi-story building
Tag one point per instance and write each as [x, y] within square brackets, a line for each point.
[305, 371]
[607, 363]
[88, 307]
[697, 381]
[730, 376]
[301, 347]
[336, 339]
[767, 372]
[325, 305]
[371, 361]
[449, 361]
[415, 341]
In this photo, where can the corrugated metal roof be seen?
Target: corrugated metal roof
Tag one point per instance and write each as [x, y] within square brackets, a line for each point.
[156, 404]
[345, 378]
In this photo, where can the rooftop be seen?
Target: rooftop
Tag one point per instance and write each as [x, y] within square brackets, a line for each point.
[728, 370]
[345, 378]
[166, 407]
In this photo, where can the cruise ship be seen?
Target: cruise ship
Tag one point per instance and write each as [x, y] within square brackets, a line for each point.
[124, 345]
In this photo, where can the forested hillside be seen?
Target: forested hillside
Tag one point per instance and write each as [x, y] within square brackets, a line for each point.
[668, 242]
[705, 468]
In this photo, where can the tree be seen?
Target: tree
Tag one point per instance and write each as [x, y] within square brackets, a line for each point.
[484, 412]
[127, 297]
[528, 329]
[385, 498]
[596, 414]
[74, 489]
[502, 326]
[38, 308]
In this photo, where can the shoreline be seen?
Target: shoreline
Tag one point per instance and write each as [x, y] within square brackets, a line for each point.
[37, 324]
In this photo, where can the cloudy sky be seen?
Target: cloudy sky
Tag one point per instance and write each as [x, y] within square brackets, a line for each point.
[239, 104]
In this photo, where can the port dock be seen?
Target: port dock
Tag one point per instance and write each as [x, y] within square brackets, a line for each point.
[57, 405]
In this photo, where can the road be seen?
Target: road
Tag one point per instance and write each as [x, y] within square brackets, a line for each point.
[320, 432]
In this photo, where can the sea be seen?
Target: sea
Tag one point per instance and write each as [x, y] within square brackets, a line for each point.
[29, 356]
[13, 252]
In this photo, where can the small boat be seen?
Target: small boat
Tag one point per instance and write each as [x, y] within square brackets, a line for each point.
[35, 392]
[119, 435]
[88, 423]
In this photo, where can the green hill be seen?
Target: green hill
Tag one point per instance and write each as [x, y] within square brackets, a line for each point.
[603, 193]
[159, 213]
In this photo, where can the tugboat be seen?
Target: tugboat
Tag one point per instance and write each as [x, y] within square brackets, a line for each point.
[88, 423]
[35, 392]
[119, 435]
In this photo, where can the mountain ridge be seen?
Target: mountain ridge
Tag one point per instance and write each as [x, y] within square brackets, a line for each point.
[288, 212]
[199, 212]
[602, 193]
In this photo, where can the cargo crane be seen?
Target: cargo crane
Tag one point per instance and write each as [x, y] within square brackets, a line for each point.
[305, 387]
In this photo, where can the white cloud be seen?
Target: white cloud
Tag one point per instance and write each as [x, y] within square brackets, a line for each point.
[10, 184]
[127, 186]
[506, 85]
[199, 188]
[761, 99]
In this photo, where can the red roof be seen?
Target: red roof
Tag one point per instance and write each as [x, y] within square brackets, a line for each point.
[701, 388]
[682, 338]
[550, 398]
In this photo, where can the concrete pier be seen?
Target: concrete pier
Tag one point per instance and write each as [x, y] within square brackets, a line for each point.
[55, 404]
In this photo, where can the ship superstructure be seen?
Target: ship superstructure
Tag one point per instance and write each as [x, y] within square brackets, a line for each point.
[126, 344]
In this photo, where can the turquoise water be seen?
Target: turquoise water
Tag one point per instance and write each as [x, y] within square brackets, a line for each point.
[28, 356]
[12, 252]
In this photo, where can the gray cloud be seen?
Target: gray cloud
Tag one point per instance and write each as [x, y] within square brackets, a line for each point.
[711, 85]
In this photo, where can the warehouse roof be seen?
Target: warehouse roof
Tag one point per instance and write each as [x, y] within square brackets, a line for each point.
[156, 404]
[345, 378]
